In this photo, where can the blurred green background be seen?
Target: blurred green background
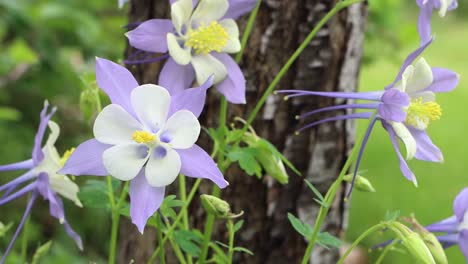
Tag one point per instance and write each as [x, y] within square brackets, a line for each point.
[47, 45]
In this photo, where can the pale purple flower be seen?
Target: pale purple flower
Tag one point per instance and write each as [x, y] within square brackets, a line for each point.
[455, 227]
[145, 136]
[199, 38]
[405, 108]
[427, 8]
[42, 178]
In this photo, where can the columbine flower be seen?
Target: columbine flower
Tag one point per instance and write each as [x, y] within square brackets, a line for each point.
[198, 40]
[427, 7]
[405, 108]
[43, 179]
[145, 136]
[455, 227]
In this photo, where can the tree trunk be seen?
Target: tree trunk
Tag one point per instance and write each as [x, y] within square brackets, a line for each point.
[330, 63]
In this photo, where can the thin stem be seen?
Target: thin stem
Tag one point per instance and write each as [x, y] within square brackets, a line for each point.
[208, 229]
[360, 238]
[24, 239]
[175, 247]
[385, 251]
[248, 30]
[177, 220]
[160, 239]
[231, 240]
[110, 192]
[185, 218]
[115, 222]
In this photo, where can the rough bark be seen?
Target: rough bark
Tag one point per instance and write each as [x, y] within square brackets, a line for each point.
[330, 63]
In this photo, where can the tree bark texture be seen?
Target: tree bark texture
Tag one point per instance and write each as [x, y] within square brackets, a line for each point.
[330, 63]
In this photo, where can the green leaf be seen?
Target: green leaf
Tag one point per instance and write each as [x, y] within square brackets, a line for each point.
[272, 148]
[320, 199]
[220, 254]
[247, 161]
[188, 241]
[20, 52]
[4, 228]
[41, 252]
[302, 228]
[238, 225]
[9, 114]
[94, 194]
[392, 215]
[327, 240]
[243, 250]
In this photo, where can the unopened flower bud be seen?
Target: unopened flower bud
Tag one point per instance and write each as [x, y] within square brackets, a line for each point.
[215, 206]
[417, 248]
[361, 183]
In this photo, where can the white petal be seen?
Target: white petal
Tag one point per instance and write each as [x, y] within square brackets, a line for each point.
[180, 55]
[426, 96]
[115, 126]
[444, 5]
[407, 74]
[180, 13]
[125, 161]
[162, 170]
[62, 185]
[404, 134]
[233, 45]
[50, 152]
[207, 65]
[421, 77]
[182, 130]
[151, 103]
[210, 10]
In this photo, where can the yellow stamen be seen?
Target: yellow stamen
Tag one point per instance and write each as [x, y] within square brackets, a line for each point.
[422, 112]
[143, 137]
[207, 38]
[66, 156]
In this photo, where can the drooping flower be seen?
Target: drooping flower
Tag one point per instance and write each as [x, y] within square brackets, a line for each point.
[427, 8]
[198, 41]
[405, 109]
[42, 178]
[145, 136]
[456, 226]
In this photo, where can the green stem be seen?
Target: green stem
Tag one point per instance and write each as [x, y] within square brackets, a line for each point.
[160, 238]
[185, 217]
[176, 248]
[385, 252]
[115, 221]
[360, 238]
[177, 220]
[231, 240]
[208, 229]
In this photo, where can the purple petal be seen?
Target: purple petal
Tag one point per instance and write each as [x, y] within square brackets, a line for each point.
[424, 23]
[116, 81]
[28, 188]
[340, 107]
[192, 99]
[238, 8]
[448, 225]
[393, 105]
[19, 180]
[426, 150]
[403, 165]
[176, 78]
[463, 243]
[196, 163]
[27, 164]
[365, 115]
[86, 159]
[144, 200]
[460, 204]
[71, 233]
[20, 226]
[151, 35]
[444, 80]
[233, 87]
[450, 238]
[409, 60]
[370, 96]
[37, 154]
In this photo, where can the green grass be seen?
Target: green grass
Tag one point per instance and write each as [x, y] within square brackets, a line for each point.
[438, 183]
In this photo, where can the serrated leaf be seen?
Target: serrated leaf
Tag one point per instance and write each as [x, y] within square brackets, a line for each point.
[244, 250]
[327, 240]
[302, 228]
[41, 252]
[188, 241]
[246, 159]
[94, 194]
[238, 225]
[392, 215]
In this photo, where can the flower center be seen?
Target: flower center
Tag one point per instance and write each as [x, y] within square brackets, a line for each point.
[420, 113]
[66, 156]
[207, 38]
[143, 137]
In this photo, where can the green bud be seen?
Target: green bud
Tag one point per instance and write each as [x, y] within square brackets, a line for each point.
[417, 248]
[430, 240]
[215, 206]
[90, 103]
[361, 183]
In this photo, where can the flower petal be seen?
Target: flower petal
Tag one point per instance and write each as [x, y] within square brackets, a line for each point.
[448, 225]
[115, 126]
[426, 150]
[182, 130]
[192, 99]
[463, 242]
[144, 200]
[404, 134]
[233, 45]
[163, 167]
[393, 104]
[62, 185]
[233, 86]
[180, 55]
[37, 154]
[125, 161]
[424, 23]
[238, 8]
[151, 35]
[26, 164]
[116, 81]
[421, 77]
[175, 77]
[460, 204]
[181, 11]
[86, 160]
[151, 103]
[209, 10]
[444, 80]
[207, 65]
[197, 163]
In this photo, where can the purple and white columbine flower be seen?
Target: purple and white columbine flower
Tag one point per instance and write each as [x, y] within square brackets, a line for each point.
[42, 178]
[427, 8]
[198, 41]
[145, 136]
[455, 227]
[405, 108]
